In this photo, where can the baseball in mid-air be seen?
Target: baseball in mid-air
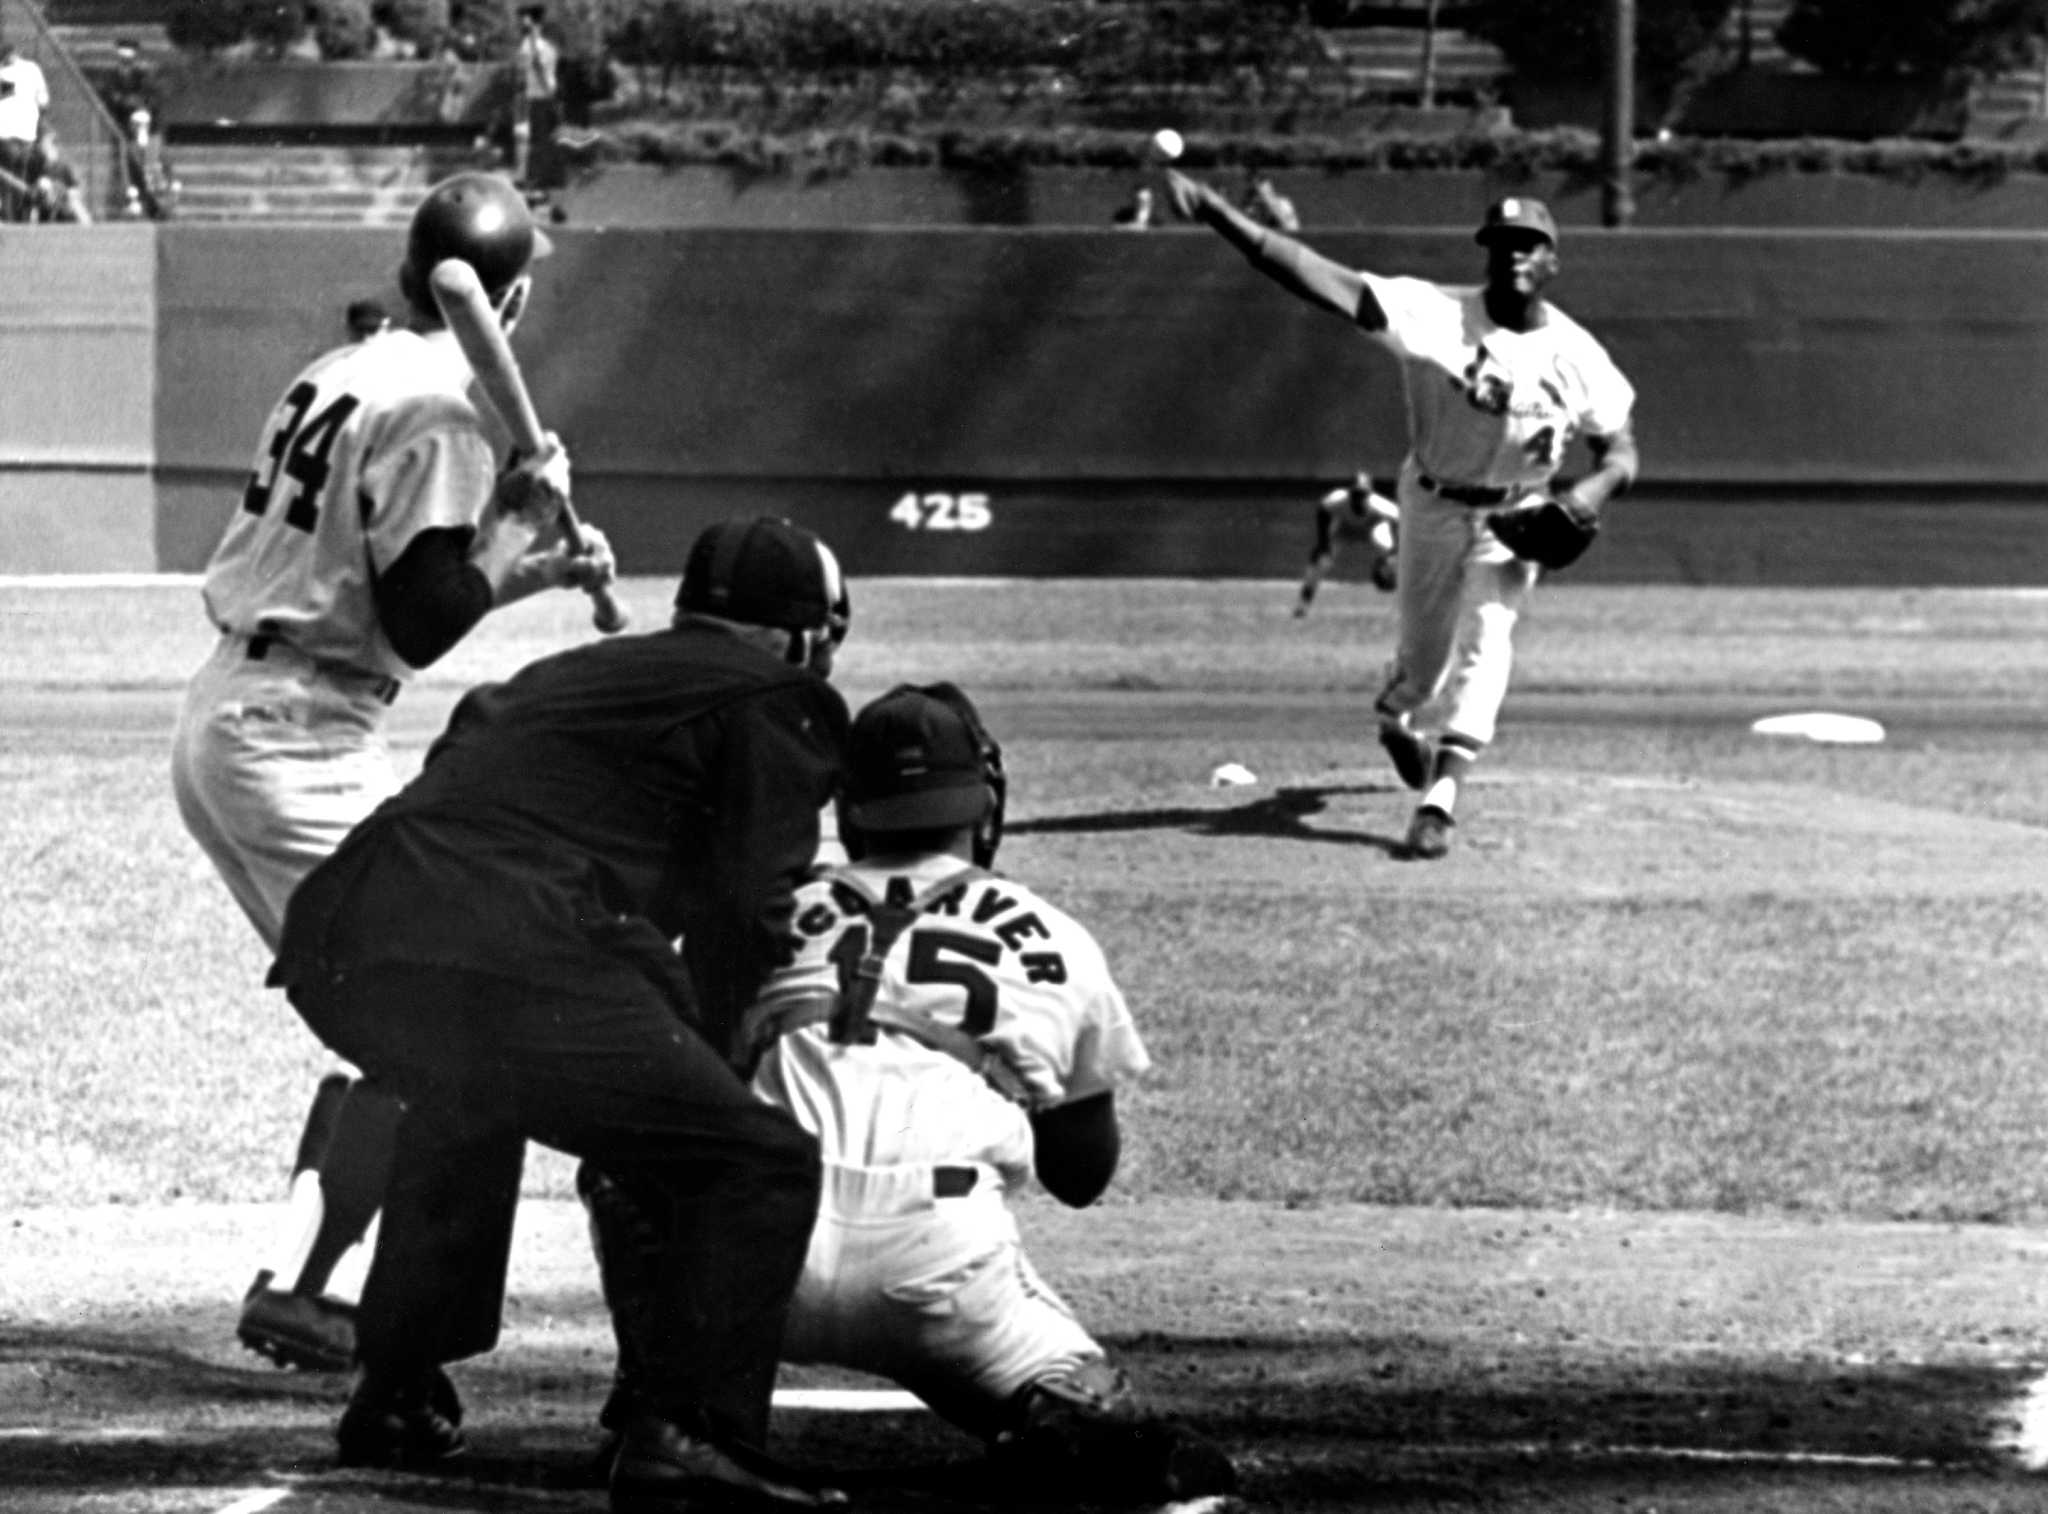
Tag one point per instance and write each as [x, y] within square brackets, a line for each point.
[1167, 144]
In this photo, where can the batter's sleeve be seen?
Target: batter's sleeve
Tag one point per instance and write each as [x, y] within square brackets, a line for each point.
[439, 476]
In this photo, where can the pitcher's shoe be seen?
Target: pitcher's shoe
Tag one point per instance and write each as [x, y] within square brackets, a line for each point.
[297, 1329]
[1411, 753]
[1429, 834]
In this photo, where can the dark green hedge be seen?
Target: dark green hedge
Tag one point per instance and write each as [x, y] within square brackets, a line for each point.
[1506, 153]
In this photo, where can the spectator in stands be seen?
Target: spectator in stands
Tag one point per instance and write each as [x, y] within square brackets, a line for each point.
[152, 185]
[1136, 213]
[55, 194]
[130, 85]
[24, 97]
[537, 111]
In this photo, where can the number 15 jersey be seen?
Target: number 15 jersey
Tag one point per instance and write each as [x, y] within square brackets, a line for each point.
[371, 445]
[989, 958]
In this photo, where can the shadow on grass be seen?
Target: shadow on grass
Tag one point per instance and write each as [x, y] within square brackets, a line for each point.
[1284, 815]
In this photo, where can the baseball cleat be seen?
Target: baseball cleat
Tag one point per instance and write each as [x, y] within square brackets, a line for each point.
[296, 1330]
[1429, 834]
[403, 1425]
[1411, 753]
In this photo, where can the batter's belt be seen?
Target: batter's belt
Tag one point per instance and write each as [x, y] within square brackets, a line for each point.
[265, 647]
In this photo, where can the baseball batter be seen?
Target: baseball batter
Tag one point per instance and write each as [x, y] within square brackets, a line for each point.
[948, 1034]
[1499, 383]
[374, 531]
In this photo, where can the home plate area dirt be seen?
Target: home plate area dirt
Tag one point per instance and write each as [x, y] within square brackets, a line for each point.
[1349, 1357]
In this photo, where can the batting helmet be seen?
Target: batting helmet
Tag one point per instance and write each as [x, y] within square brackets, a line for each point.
[480, 218]
[768, 572]
[919, 758]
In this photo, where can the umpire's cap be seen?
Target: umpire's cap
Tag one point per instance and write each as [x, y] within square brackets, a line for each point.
[765, 571]
[1517, 213]
[919, 759]
[481, 218]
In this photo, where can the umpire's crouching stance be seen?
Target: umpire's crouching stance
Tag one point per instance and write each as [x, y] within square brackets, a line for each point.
[494, 942]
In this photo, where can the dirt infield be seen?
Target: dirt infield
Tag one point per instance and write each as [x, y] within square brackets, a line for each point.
[1352, 1357]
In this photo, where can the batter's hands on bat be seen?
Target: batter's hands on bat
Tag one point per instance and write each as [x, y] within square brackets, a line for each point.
[534, 489]
[593, 566]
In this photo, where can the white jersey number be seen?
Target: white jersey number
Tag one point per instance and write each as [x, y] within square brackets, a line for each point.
[298, 452]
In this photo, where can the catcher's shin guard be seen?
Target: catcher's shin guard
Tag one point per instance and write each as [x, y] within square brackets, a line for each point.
[355, 1167]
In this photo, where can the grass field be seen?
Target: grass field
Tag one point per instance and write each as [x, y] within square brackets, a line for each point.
[1672, 969]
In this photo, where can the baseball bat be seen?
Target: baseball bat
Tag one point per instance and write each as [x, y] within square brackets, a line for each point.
[467, 309]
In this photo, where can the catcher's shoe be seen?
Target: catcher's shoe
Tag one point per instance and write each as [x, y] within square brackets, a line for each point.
[1411, 753]
[297, 1329]
[1429, 834]
[1106, 1460]
[411, 1423]
[664, 1469]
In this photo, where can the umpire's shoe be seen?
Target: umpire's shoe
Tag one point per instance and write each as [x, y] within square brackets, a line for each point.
[1411, 753]
[664, 1469]
[1429, 834]
[411, 1422]
[317, 1334]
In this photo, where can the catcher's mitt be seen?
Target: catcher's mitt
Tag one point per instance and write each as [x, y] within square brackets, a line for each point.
[1551, 531]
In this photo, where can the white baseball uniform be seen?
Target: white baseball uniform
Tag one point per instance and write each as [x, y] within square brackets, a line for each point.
[915, 1270]
[1490, 414]
[280, 747]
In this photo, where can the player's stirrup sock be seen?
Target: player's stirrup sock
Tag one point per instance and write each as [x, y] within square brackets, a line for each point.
[302, 1201]
[1455, 755]
[354, 1170]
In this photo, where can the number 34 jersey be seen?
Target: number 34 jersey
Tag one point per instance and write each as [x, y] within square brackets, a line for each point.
[1488, 406]
[371, 445]
[991, 959]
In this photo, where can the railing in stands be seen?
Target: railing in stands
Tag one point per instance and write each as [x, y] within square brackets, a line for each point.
[87, 134]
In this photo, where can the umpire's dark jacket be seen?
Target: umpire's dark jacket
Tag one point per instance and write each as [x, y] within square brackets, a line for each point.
[609, 798]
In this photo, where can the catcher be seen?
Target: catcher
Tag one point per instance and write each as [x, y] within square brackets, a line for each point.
[948, 1035]
[1349, 511]
[1500, 382]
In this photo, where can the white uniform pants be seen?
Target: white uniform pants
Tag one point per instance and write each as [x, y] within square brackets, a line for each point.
[1459, 593]
[274, 762]
[933, 1292]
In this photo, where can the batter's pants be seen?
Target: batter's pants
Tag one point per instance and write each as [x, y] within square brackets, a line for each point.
[274, 762]
[1459, 592]
[724, 1185]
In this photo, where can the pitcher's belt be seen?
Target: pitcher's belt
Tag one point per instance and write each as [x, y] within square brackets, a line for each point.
[1464, 494]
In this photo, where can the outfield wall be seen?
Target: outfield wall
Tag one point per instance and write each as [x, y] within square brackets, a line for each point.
[1816, 407]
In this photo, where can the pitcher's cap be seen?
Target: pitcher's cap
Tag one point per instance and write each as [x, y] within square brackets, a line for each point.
[1517, 213]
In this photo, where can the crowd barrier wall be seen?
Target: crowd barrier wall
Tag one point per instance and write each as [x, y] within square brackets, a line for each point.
[1814, 407]
[78, 354]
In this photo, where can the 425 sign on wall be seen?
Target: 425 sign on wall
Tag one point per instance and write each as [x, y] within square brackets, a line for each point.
[935, 510]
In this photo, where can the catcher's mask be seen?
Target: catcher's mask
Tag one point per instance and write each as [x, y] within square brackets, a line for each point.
[768, 572]
[920, 759]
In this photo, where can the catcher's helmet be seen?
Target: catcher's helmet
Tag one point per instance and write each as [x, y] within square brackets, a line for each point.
[920, 759]
[768, 572]
[482, 219]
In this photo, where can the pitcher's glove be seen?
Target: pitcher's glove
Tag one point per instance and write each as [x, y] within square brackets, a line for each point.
[1554, 531]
